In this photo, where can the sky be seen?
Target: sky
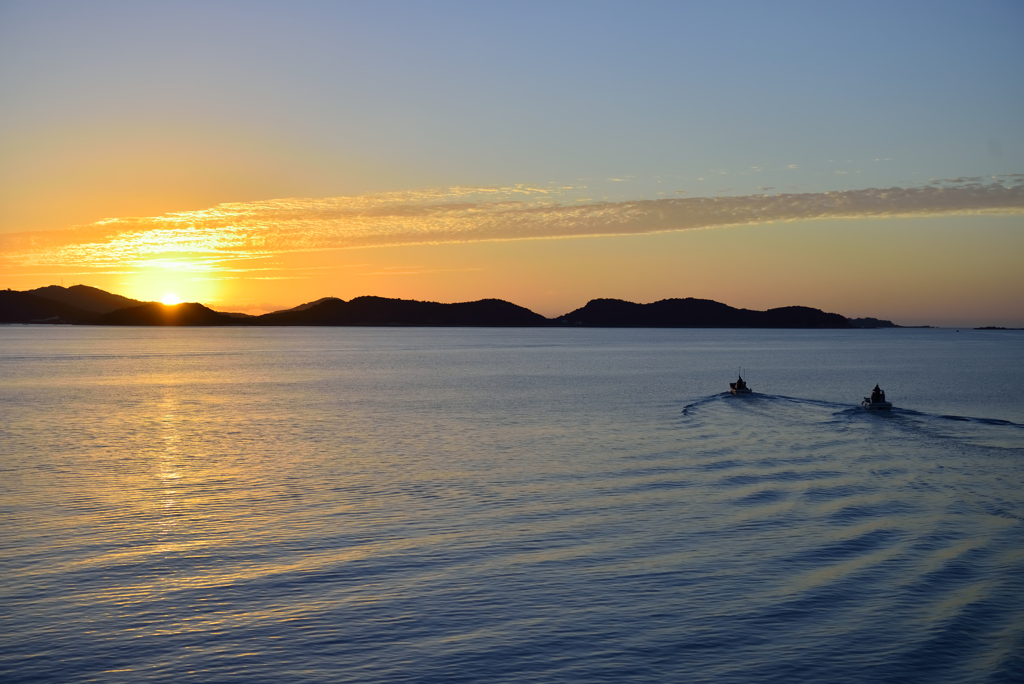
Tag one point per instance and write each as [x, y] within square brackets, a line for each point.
[863, 158]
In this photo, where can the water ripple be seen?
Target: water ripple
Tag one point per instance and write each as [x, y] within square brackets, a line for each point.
[391, 507]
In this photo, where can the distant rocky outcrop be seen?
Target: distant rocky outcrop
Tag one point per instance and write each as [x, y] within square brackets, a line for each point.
[85, 298]
[696, 313]
[405, 312]
[156, 313]
[871, 323]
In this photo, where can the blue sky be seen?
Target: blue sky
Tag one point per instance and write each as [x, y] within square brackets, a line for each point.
[394, 95]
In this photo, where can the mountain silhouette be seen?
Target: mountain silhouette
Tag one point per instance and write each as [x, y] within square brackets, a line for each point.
[384, 311]
[81, 304]
[695, 313]
[85, 298]
[156, 313]
[23, 307]
[310, 305]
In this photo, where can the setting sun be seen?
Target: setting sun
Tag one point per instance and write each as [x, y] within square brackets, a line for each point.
[171, 299]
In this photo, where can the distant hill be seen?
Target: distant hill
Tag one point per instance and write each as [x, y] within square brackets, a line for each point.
[383, 311]
[695, 313]
[86, 298]
[156, 313]
[310, 305]
[23, 307]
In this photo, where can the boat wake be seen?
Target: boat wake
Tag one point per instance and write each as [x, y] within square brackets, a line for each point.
[778, 411]
[755, 399]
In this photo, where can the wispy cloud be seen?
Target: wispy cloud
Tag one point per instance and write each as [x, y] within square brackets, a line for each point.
[215, 239]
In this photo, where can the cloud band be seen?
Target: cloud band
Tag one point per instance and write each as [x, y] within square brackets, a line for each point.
[209, 238]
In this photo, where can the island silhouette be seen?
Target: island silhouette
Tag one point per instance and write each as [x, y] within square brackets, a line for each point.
[84, 305]
[696, 313]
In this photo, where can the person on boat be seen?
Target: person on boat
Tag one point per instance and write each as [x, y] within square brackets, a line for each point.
[877, 395]
[740, 385]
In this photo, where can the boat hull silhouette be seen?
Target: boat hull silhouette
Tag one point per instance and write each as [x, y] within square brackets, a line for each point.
[876, 405]
[740, 387]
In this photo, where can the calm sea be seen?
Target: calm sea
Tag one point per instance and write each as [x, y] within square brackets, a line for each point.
[467, 505]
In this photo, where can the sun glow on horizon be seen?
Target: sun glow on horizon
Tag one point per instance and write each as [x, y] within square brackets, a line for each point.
[171, 299]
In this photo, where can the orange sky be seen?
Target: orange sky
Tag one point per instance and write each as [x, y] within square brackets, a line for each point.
[936, 270]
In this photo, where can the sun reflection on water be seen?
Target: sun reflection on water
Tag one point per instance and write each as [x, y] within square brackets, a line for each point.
[169, 473]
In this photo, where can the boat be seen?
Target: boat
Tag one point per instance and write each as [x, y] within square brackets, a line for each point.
[740, 387]
[876, 402]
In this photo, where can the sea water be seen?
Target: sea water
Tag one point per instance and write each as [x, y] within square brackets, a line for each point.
[509, 505]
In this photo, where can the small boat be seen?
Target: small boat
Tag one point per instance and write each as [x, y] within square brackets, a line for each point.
[876, 402]
[740, 387]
